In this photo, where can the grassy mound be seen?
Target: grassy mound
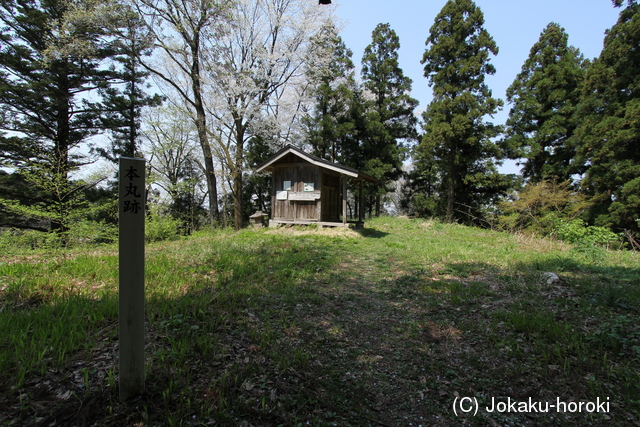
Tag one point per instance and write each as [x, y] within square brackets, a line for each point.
[387, 326]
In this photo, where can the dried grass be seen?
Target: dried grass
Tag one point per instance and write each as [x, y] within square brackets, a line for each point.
[341, 232]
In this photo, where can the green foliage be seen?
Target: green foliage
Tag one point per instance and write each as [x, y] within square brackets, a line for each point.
[296, 326]
[549, 208]
[62, 200]
[422, 205]
[539, 207]
[458, 141]
[79, 234]
[159, 227]
[123, 105]
[19, 241]
[610, 129]
[364, 128]
[52, 69]
[576, 231]
[42, 77]
[388, 122]
[17, 194]
[257, 187]
[619, 3]
[545, 95]
[174, 164]
[619, 335]
[331, 125]
[80, 214]
[92, 232]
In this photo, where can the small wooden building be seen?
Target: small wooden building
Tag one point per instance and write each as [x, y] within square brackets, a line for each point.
[307, 189]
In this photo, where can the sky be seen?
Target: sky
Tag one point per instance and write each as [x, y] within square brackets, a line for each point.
[515, 25]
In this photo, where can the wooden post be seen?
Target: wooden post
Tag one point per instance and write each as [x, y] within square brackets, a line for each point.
[361, 210]
[295, 187]
[344, 200]
[131, 276]
[319, 201]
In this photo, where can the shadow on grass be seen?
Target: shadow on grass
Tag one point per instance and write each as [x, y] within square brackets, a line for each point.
[270, 332]
[593, 277]
[371, 232]
[216, 348]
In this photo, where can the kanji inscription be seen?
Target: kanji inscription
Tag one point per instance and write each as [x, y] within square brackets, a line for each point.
[131, 277]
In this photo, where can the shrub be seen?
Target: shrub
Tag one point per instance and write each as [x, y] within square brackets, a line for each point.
[15, 240]
[538, 207]
[577, 232]
[92, 232]
[161, 227]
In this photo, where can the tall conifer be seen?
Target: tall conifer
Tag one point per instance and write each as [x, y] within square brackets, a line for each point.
[124, 100]
[609, 132]
[47, 71]
[457, 137]
[545, 95]
[330, 125]
[389, 122]
[41, 94]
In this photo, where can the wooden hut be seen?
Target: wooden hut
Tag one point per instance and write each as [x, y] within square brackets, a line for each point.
[307, 189]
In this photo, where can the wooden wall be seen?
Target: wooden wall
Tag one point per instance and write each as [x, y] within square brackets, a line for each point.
[324, 199]
[298, 174]
[326, 205]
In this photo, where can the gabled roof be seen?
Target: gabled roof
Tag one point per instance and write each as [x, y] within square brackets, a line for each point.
[290, 149]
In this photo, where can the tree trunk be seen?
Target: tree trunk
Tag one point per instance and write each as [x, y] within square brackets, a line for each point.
[451, 188]
[237, 199]
[201, 124]
[212, 185]
[450, 195]
[237, 176]
[60, 167]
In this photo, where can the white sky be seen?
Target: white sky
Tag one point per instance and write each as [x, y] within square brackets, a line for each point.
[515, 25]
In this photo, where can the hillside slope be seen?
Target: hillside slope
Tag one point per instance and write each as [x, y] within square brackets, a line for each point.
[392, 326]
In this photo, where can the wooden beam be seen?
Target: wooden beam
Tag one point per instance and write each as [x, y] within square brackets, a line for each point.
[275, 223]
[319, 202]
[344, 199]
[294, 187]
[361, 210]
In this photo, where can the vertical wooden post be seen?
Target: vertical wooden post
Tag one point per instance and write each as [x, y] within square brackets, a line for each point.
[361, 211]
[319, 201]
[131, 216]
[344, 200]
[296, 186]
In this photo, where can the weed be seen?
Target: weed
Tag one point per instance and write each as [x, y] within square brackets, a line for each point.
[619, 335]
[324, 327]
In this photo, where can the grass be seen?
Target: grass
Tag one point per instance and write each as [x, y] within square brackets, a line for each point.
[299, 326]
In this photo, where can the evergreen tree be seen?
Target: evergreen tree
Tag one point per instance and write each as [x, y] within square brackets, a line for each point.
[47, 71]
[420, 191]
[609, 131]
[257, 185]
[545, 95]
[41, 95]
[330, 127]
[460, 140]
[123, 102]
[389, 121]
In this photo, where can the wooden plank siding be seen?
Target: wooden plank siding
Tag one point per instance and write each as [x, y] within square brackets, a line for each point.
[298, 174]
[322, 200]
